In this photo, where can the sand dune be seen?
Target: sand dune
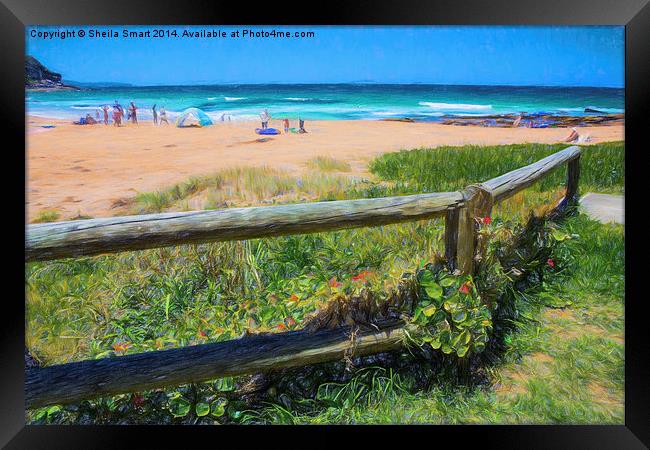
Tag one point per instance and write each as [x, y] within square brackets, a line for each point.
[88, 169]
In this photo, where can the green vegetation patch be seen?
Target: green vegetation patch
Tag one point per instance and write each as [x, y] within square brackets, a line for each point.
[47, 216]
[602, 166]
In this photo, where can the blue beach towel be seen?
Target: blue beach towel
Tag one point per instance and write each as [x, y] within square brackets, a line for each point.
[266, 131]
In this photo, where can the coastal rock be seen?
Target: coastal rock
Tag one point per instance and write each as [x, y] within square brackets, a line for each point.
[37, 76]
[398, 119]
[542, 120]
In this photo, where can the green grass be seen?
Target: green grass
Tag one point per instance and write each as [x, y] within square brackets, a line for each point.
[452, 168]
[47, 216]
[80, 308]
[564, 365]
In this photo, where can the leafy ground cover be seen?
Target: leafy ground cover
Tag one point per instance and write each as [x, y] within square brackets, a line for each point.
[562, 363]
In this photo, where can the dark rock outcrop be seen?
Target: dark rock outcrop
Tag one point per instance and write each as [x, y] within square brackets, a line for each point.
[540, 120]
[37, 76]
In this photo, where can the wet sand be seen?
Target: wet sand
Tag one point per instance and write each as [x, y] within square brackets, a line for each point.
[86, 170]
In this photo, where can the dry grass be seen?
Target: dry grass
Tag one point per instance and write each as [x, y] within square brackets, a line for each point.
[328, 164]
[247, 186]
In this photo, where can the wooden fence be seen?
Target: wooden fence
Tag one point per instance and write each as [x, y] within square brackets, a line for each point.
[76, 381]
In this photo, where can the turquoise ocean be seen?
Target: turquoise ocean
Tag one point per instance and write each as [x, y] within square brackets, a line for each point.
[332, 101]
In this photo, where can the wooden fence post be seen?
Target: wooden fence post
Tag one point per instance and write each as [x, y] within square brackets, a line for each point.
[451, 237]
[571, 196]
[573, 178]
[478, 204]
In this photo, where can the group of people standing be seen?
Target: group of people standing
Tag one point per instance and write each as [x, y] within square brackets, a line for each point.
[131, 114]
[265, 117]
[162, 113]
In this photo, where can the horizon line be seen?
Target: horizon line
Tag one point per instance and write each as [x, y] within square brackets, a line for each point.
[285, 83]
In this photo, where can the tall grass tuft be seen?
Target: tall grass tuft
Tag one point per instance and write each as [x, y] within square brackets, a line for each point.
[250, 186]
[329, 164]
[47, 216]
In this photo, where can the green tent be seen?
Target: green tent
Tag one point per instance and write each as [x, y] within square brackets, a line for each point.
[193, 117]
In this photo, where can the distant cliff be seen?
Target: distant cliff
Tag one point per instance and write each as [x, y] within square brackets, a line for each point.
[37, 76]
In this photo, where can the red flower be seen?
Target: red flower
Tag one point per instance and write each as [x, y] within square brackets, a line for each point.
[333, 283]
[486, 220]
[363, 276]
[551, 263]
[290, 322]
[464, 289]
[202, 334]
[138, 400]
[281, 327]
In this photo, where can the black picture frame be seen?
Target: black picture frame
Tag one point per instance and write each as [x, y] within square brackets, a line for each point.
[633, 14]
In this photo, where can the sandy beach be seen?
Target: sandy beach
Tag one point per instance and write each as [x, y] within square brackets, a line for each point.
[85, 170]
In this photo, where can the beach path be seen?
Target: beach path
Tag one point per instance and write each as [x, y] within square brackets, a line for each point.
[87, 170]
[605, 208]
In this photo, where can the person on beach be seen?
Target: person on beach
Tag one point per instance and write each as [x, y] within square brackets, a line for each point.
[105, 109]
[574, 136]
[90, 120]
[517, 121]
[163, 116]
[301, 126]
[285, 122]
[117, 115]
[132, 113]
[120, 109]
[265, 116]
[97, 114]
[155, 115]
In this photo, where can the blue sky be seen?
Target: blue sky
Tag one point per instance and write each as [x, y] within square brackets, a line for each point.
[552, 56]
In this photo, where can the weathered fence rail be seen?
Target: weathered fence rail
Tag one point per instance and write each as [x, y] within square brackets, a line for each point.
[508, 184]
[76, 381]
[131, 373]
[95, 236]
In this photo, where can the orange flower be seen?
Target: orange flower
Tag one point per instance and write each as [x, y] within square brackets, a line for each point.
[121, 346]
[294, 298]
[281, 327]
[290, 322]
[333, 283]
